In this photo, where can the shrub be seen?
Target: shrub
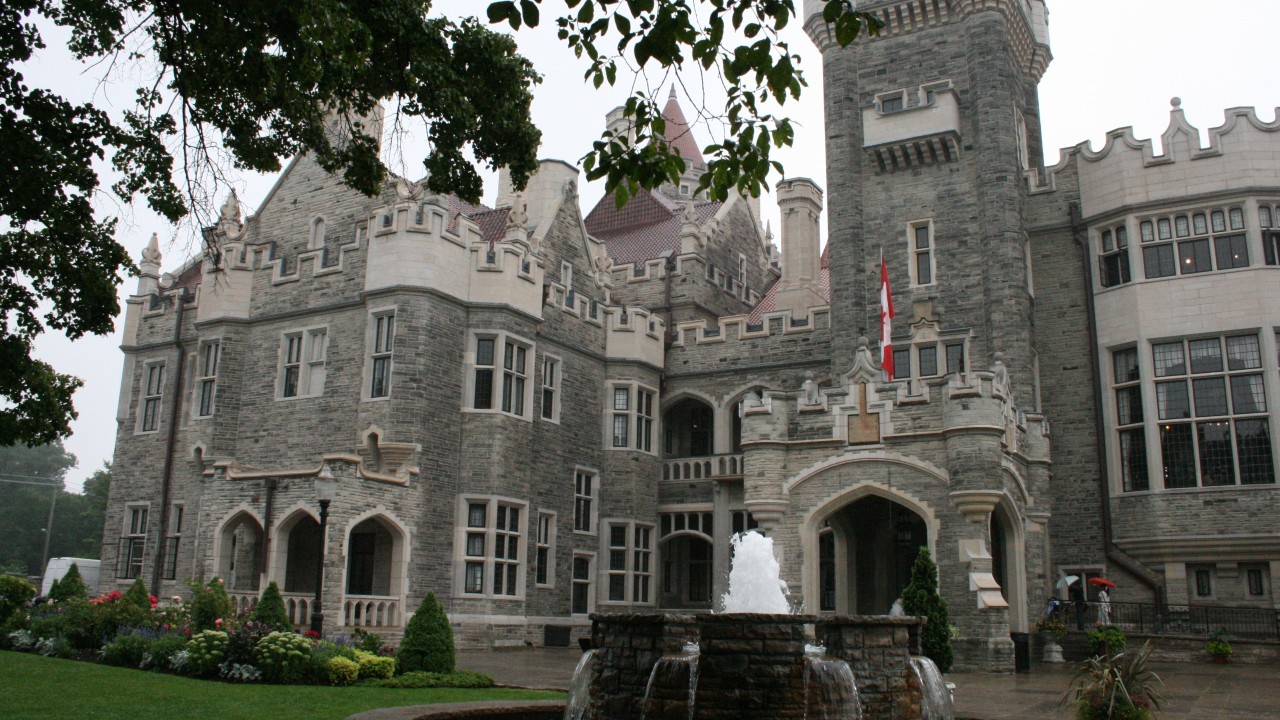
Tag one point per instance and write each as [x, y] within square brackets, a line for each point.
[243, 639]
[368, 642]
[1053, 627]
[162, 650]
[270, 610]
[343, 671]
[283, 657]
[428, 640]
[127, 651]
[205, 652]
[921, 598]
[321, 654]
[1219, 644]
[70, 587]
[209, 604]
[1115, 687]
[15, 593]
[137, 595]
[91, 624]
[1106, 640]
[415, 680]
[374, 666]
[239, 672]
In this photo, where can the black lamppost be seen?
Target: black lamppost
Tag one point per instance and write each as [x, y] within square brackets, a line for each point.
[326, 491]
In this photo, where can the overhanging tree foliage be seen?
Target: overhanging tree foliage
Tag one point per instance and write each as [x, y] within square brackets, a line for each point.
[265, 80]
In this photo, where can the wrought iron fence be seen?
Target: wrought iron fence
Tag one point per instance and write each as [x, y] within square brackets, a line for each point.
[1242, 622]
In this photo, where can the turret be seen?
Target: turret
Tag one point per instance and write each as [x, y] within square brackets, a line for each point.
[149, 268]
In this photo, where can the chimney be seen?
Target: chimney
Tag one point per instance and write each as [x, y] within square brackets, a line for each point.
[543, 193]
[800, 200]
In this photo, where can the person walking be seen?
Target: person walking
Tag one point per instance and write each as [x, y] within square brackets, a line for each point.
[1104, 607]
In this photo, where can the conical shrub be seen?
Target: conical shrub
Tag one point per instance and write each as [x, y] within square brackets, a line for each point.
[137, 596]
[428, 640]
[70, 586]
[271, 611]
[921, 598]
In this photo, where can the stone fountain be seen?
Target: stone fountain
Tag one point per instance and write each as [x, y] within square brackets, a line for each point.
[764, 666]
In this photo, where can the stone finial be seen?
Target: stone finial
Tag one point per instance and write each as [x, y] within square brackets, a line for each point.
[1001, 372]
[151, 253]
[863, 343]
[768, 231]
[809, 390]
[231, 208]
[691, 239]
[1176, 103]
[517, 227]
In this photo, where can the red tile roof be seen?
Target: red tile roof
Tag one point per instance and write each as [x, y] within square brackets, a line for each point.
[769, 303]
[647, 226]
[678, 134]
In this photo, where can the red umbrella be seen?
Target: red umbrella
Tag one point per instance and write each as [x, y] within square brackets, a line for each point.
[1101, 581]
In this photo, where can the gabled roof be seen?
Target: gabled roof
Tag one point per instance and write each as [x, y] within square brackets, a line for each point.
[678, 133]
[769, 303]
[646, 227]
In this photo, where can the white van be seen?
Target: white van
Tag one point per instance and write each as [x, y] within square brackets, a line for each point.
[59, 566]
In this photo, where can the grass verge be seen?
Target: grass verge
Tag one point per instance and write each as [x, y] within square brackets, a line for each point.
[38, 688]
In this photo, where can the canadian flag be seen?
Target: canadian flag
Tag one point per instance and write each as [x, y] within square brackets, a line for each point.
[886, 320]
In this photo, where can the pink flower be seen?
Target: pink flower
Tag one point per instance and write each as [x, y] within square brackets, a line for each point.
[177, 599]
[218, 622]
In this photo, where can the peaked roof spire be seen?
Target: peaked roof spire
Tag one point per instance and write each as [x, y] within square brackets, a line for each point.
[678, 133]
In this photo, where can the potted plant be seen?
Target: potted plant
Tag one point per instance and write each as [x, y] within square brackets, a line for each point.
[1054, 630]
[1219, 646]
[1106, 640]
[1115, 687]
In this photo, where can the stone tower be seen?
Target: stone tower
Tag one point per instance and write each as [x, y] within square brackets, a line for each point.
[930, 129]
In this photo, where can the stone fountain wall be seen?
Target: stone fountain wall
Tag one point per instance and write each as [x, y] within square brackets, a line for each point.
[750, 666]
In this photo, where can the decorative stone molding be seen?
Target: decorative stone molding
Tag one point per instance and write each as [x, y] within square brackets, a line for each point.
[976, 505]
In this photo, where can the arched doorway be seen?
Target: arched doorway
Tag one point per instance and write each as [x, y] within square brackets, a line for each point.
[240, 553]
[301, 539]
[375, 573]
[688, 429]
[1007, 566]
[866, 550]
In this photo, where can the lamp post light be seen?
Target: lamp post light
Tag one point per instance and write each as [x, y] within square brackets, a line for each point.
[326, 491]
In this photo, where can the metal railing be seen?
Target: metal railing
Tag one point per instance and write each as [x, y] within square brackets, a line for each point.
[1244, 622]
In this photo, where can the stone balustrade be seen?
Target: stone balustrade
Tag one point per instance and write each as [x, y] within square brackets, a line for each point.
[702, 468]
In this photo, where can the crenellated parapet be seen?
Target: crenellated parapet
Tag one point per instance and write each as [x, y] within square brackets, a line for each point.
[740, 327]
[1241, 153]
[689, 265]
[634, 334]
[1028, 21]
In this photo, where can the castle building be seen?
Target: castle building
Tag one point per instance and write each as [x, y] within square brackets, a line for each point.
[538, 413]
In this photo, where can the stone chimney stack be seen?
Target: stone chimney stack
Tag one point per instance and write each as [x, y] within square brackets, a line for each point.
[617, 124]
[149, 268]
[800, 200]
[543, 193]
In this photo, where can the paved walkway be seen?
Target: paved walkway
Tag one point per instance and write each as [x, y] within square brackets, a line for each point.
[1191, 691]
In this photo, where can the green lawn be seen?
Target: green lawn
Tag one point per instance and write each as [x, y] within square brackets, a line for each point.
[34, 687]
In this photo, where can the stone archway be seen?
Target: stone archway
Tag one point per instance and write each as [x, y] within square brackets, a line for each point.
[1008, 564]
[373, 585]
[688, 429]
[239, 553]
[866, 561]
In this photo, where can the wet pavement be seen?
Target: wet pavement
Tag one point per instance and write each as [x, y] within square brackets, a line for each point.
[1191, 690]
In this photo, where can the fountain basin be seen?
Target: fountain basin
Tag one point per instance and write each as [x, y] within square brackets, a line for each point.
[750, 665]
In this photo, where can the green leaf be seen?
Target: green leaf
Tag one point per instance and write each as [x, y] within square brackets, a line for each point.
[530, 9]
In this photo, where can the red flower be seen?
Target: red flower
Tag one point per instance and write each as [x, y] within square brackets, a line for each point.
[154, 601]
[311, 634]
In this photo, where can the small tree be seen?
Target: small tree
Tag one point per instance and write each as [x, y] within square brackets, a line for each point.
[209, 603]
[70, 586]
[921, 598]
[137, 595]
[428, 640]
[270, 610]
[15, 593]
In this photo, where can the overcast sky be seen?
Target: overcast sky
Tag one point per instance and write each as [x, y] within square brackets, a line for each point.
[1115, 64]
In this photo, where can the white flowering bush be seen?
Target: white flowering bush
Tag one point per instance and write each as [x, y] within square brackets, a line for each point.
[284, 657]
[205, 652]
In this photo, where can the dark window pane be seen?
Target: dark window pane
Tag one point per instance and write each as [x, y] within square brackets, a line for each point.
[902, 363]
[1172, 401]
[1193, 256]
[1126, 365]
[484, 351]
[1129, 405]
[476, 515]
[1248, 395]
[474, 578]
[928, 361]
[1217, 467]
[1253, 443]
[1178, 455]
[291, 382]
[1232, 252]
[483, 399]
[1243, 353]
[1169, 359]
[955, 358]
[1133, 460]
[618, 536]
[1211, 397]
[1157, 261]
[475, 544]
[924, 269]
[922, 237]
[1206, 355]
[1204, 583]
[617, 588]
